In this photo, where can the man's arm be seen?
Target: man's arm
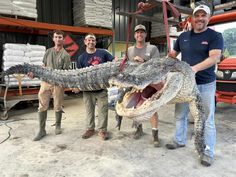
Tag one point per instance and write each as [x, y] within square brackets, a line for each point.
[109, 57]
[79, 62]
[173, 54]
[67, 62]
[31, 74]
[214, 56]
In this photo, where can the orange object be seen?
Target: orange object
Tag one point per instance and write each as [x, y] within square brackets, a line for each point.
[226, 85]
[222, 18]
[215, 19]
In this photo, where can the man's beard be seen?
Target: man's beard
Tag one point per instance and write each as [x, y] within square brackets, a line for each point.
[200, 27]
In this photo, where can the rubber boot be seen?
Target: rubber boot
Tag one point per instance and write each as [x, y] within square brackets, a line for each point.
[42, 124]
[155, 138]
[58, 122]
[139, 132]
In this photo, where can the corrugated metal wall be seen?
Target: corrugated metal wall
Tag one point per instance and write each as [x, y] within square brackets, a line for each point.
[120, 22]
[55, 11]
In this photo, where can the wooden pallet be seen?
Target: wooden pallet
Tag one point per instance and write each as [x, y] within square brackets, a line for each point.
[18, 17]
[93, 26]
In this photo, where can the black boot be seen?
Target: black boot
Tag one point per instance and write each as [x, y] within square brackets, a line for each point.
[139, 132]
[42, 124]
[58, 122]
[156, 141]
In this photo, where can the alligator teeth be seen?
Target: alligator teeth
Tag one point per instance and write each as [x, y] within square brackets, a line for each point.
[133, 91]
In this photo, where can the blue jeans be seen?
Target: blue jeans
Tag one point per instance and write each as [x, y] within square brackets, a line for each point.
[207, 92]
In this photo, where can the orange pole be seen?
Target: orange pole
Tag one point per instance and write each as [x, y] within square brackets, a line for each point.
[225, 17]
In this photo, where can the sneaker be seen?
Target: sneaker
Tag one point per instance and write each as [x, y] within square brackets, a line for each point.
[174, 145]
[88, 134]
[206, 160]
[103, 134]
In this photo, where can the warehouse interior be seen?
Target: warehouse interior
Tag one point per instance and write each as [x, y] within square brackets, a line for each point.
[26, 33]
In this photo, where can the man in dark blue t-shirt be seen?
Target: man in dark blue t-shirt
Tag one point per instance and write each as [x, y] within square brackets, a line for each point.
[201, 48]
[93, 56]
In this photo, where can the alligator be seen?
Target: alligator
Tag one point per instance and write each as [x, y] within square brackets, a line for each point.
[148, 86]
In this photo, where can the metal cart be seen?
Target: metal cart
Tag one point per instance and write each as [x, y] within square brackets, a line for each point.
[9, 97]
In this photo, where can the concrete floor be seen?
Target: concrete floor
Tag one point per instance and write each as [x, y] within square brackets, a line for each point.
[68, 155]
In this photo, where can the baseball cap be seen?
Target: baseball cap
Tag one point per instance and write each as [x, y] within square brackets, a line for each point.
[202, 7]
[90, 36]
[140, 27]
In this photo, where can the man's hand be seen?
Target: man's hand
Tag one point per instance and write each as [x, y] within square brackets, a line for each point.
[30, 75]
[116, 59]
[138, 59]
[75, 90]
[194, 69]
[172, 54]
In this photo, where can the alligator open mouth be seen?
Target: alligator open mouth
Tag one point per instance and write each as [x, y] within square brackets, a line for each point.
[136, 98]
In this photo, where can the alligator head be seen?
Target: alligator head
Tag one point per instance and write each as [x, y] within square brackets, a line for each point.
[154, 84]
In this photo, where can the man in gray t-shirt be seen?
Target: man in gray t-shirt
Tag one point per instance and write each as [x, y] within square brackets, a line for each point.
[142, 52]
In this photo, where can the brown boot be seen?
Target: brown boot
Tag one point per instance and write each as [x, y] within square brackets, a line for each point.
[103, 134]
[88, 134]
[139, 132]
[156, 141]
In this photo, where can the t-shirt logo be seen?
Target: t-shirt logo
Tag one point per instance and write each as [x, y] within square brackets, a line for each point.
[94, 61]
[204, 42]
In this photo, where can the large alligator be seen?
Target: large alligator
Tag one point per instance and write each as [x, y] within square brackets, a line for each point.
[152, 84]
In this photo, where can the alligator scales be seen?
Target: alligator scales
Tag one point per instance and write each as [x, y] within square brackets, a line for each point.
[151, 85]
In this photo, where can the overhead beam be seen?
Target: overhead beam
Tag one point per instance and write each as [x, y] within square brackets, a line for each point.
[221, 18]
[189, 11]
[146, 18]
[43, 28]
[181, 9]
[225, 5]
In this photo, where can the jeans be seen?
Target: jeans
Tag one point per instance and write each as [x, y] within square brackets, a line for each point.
[207, 92]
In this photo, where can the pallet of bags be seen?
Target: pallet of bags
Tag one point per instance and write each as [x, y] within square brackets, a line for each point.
[26, 8]
[14, 54]
[97, 13]
[19, 8]
[5, 7]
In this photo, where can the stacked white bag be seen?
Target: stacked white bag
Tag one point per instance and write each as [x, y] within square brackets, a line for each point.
[14, 54]
[93, 12]
[25, 8]
[5, 7]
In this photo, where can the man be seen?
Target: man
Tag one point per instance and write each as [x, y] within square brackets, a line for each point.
[93, 56]
[142, 52]
[201, 48]
[54, 58]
